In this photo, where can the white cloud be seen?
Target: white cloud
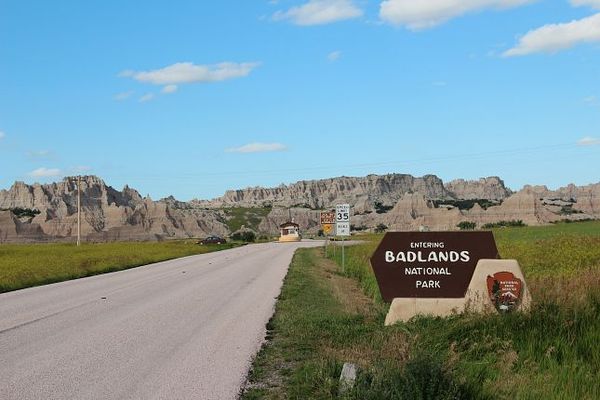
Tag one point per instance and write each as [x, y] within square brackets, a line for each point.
[318, 12]
[257, 148]
[123, 95]
[334, 55]
[590, 3]
[554, 37]
[45, 172]
[588, 141]
[146, 97]
[439, 83]
[39, 153]
[417, 15]
[187, 72]
[169, 89]
[2, 135]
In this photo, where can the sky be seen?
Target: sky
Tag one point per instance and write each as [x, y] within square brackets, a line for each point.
[191, 98]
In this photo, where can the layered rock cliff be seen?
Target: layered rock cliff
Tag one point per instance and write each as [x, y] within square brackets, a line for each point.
[107, 214]
[400, 202]
[361, 192]
[491, 188]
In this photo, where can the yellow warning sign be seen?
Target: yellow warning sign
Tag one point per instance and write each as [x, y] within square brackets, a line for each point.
[328, 229]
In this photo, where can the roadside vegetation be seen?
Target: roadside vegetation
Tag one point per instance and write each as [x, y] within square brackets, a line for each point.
[325, 318]
[25, 265]
[246, 236]
[249, 217]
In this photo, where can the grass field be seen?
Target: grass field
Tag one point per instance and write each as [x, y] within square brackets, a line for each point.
[24, 265]
[552, 352]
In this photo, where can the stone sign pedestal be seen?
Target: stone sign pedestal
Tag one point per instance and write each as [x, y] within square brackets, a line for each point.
[496, 286]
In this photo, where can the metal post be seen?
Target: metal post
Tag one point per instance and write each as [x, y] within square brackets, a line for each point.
[343, 258]
[79, 210]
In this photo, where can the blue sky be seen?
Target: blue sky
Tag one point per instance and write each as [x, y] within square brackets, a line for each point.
[192, 98]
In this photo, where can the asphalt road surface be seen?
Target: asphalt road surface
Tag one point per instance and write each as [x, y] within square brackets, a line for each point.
[180, 329]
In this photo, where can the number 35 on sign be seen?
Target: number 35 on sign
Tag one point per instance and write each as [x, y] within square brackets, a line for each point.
[342, 213]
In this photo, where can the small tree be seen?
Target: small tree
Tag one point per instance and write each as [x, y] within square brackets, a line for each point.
[466, 225]
[381, 228]
[380, 208]
[245, 236]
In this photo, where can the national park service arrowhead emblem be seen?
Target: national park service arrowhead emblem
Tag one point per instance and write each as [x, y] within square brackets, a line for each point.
[504, 290]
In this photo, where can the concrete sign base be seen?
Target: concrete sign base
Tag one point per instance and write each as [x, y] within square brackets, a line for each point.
[496, 286]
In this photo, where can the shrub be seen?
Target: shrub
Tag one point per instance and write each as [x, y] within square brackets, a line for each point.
[467, 204]
[569, 210]
[502, 224]
[381, 228]
[466, 225]
[381, 209]
[23, 212]
[245, 236]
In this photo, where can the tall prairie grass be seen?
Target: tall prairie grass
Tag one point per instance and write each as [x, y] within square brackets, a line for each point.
[552, 352]
[25, 265]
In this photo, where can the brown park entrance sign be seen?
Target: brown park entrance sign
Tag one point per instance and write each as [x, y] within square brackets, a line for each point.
[429, 264]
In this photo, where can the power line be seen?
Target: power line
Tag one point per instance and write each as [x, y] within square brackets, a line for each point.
[429, 160]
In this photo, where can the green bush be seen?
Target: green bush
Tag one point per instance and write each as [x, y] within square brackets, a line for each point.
[466, 204]
[23, 212]
[504, 224]
[245, 236]
[381, 209]
[381, 228]
[466, 225]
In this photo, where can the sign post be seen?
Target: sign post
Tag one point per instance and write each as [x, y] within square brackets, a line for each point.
[342, 226]
[328, 225]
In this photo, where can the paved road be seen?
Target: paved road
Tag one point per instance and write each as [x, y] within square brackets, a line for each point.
[179, 329]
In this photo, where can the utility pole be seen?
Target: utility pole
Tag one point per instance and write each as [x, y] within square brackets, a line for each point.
[79, 210]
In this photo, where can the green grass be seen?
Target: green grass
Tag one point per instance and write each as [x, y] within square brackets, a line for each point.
[559, 251]
[551, 352]
[250, 217]
[25, 265]
[532, 233]
[323, 320]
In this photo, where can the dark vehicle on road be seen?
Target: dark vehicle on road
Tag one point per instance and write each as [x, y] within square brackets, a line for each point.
[213, 240]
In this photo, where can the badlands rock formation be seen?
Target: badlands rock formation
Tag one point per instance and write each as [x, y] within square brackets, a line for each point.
[534, 205]
[401, 202]
[107, 214]
[491, 188]
[359, 192]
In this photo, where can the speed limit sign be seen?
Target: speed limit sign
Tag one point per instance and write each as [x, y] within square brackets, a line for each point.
[342, 213]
